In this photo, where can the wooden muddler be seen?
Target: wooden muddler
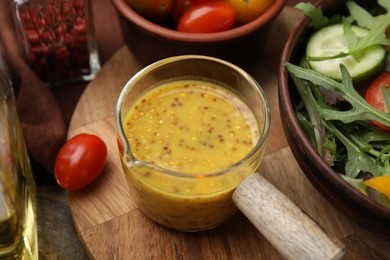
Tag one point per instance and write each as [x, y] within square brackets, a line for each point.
[294, 234]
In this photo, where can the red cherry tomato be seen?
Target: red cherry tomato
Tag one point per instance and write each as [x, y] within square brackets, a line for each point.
[207, 17]
[375, 98]
[80, 161]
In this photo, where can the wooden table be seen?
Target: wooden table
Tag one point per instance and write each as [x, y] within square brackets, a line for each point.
[58, 238]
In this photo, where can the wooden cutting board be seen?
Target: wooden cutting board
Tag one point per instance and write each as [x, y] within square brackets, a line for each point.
[110, 224]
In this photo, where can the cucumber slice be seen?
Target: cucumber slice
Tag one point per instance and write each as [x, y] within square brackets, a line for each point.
[330, 41]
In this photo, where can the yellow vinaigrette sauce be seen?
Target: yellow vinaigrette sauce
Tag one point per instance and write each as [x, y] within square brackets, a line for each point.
[194, 128]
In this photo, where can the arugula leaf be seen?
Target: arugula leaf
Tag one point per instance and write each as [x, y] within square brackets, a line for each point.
[313, 113]
[381, 154]
[350, 37]
[318, 19]
[384, 3]
[358, 160]
[376, 27]
[382, 199]
[361, 110]
[385, 159]
[362, 17]
[373, 137]
[357, 183]
[305, 123]
[386, 95]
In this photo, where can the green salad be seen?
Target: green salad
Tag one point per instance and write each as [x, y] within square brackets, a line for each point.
[343, 110]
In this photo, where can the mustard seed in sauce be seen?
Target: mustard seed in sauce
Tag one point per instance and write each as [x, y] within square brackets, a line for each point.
[191, 127]
[199, 112]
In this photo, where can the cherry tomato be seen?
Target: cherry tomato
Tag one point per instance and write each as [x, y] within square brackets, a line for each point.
[375, 98]
[152, 9]
[80, 161]
[248, 10]
[207, 17]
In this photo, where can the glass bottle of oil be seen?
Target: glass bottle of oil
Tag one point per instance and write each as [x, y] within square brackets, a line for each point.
[18, 226]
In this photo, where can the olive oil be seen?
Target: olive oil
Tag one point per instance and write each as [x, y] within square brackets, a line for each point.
[18, 227]
[8, 233]
[18, 231]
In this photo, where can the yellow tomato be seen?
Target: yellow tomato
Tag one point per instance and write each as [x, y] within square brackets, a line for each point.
[248, 10]
[381, 184]
[152, 9]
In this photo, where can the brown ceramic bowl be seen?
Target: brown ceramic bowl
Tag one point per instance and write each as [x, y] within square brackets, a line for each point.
[152, 42]
[338, 192]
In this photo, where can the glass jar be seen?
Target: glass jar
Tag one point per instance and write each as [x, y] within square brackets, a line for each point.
[18, 225]
[58, 39]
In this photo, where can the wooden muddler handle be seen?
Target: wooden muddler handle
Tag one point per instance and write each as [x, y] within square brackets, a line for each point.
[294, 234]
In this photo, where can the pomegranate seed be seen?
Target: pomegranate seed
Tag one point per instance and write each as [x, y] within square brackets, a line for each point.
[65, 7]
[70, 39]
[80, 14]
[52, 8]
[43, 22]
[83, 39]
[32, 36]
[60, 30]
[41, 49]
[80, 28]
[46, 36]
[59, 19]
[62, 52]
[76, 4]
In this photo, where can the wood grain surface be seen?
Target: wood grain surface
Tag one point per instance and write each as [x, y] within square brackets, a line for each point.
[110, 224]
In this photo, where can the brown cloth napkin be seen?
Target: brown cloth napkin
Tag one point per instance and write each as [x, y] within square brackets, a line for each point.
[41, 119]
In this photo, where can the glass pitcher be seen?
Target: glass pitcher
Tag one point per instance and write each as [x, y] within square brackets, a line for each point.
[200, 200]
[18, 226]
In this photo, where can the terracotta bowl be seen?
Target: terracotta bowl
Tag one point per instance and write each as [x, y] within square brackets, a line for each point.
[338, 192]
[151, 42]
